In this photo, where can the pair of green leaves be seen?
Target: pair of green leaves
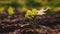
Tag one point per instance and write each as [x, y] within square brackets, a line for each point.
[31, 14]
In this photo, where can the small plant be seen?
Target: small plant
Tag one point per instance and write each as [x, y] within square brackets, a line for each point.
[11, 11]
[31, 14]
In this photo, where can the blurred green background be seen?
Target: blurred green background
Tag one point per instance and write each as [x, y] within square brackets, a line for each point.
[23, 5]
